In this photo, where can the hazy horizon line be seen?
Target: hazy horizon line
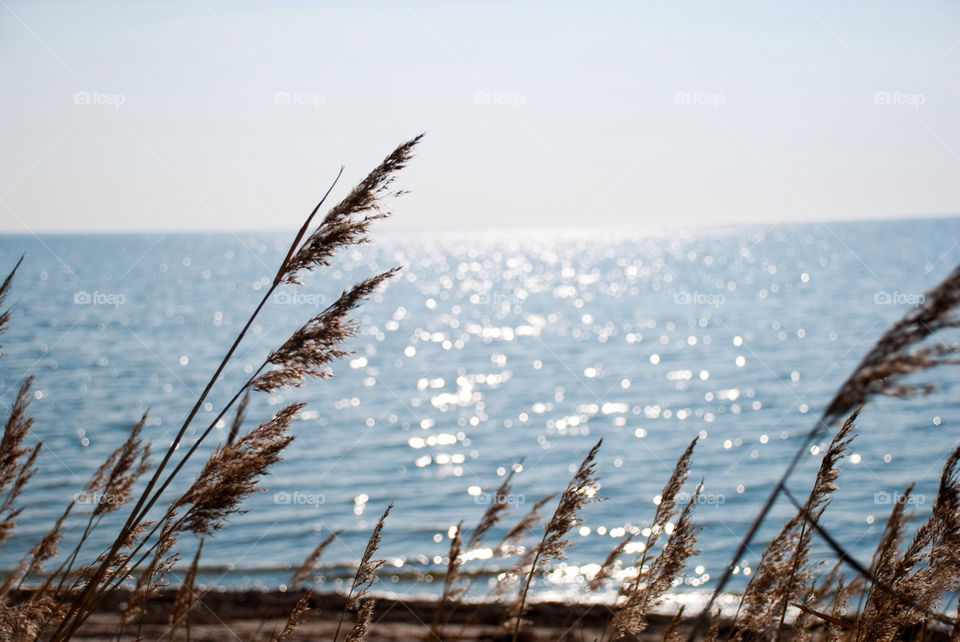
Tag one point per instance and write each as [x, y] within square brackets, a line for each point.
[396, 226]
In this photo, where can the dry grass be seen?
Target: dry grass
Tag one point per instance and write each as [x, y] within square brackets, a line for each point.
[899, 595]
[310, 563]
[366, 574]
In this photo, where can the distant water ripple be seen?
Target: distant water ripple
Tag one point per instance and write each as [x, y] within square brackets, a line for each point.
[487, 350]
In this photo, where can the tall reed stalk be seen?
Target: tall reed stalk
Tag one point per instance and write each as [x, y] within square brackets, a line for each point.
[305, 354]
[896, 355]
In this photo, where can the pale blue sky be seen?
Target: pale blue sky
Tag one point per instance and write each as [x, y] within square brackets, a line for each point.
[205, 115]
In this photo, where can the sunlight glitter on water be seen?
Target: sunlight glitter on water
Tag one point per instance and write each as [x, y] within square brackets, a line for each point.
[486, 351]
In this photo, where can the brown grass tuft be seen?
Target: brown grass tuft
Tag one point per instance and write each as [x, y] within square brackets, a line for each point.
[14, 474]
[581, 490]
[494, 513]
[348, 222]
[310, 349]
[779, 576]
[183, 603]
[651, 585]
[365, 576]
[238, 418]
[309, 565]
[449, 593]
[894, 355]
[362, 626]
[4, 293]
[231, 474]
[295, 619]
[507, 545]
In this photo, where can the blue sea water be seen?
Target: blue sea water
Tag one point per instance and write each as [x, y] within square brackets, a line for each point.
[488, 350]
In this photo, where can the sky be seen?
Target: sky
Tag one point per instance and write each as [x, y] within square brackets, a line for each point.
[204, 115]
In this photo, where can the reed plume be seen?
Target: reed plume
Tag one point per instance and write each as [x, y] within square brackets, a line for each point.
[108, 489]
[779, 576]
[843, 592]
[759, 608]
[666, 507]
[895, 356]
[874, 623]
[880, 372]
[449, 592]
[14, 432]
[14, 474]
[310, 563]
[45, 549]
[365, 575]
[362, 626]
[491, 517]
[348, 222]
[238, 418]
[4, 292]
[23, 622]
[295, 619]
[314, 345]
[231, 474]
[937, 542]
[507, 545]
[608, 565]
[185, 598]
[8, 511]
[671, 634]
[494, 513]
[928, 568]
[819, 594]
[665, 511]
[124, 473]
[581, 490]
[153, 576]
[630, 619]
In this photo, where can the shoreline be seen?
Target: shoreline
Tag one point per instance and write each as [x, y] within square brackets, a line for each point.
[259, 615]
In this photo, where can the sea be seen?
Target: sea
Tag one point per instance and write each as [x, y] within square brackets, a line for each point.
[491, 351]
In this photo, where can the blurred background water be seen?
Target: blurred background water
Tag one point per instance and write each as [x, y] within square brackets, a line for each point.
[488, 349]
